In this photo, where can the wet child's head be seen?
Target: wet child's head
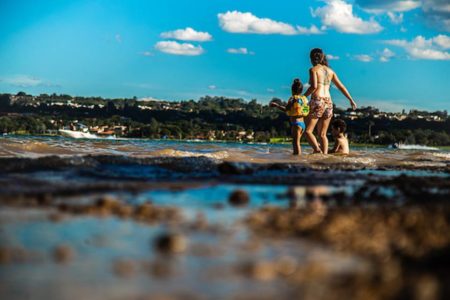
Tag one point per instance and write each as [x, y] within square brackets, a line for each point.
[338, 126]
[297, 87]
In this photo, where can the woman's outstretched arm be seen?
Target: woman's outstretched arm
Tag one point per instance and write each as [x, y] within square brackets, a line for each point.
[343, 90]
[312, 83]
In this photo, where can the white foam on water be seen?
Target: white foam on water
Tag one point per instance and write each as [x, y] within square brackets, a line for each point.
[416, 147]
[180, 153]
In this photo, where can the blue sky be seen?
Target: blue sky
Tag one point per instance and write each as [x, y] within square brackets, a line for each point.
[390, 54]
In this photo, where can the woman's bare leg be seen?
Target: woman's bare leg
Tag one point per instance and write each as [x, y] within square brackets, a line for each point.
[322, 127]
[310, 135]
[318, 132]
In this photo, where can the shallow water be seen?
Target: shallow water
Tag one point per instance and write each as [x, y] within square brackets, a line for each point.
[33, 147]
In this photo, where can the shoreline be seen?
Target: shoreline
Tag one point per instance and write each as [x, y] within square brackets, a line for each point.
[274, 141]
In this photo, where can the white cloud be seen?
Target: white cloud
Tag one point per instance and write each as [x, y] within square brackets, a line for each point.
[246, 22]
[436, 12]
[212, 87]
[392, 8]
[436, 5]
[422, 48]
[338, 14]
[242, 92]
[363, 57]
[429, 54]
[332, 57]
[238, 22]
[147, 53]
[442, 41]
[387, 105]
[386, 55]
[187, 34]
[26, 81]
[151, 99]
[395, 19]
[176, 48]
[243, 51]
[269, 90]
[311, 30]
[384, 6]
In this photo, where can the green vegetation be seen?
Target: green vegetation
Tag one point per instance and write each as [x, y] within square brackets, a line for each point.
[209, 118]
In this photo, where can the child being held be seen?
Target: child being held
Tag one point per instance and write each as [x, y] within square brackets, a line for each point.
[338, 128]
[297, 108]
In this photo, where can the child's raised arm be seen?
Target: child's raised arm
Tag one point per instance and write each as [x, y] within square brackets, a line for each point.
[278, 106]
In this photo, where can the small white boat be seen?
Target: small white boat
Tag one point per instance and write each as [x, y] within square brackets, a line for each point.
[77, 134]
[413, 147]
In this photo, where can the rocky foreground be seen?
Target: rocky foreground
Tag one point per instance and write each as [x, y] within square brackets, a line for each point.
[205, 230]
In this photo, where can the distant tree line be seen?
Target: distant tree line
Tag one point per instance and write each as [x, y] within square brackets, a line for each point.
[191, 119]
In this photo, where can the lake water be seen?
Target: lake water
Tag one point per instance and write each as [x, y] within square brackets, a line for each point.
[371, 157]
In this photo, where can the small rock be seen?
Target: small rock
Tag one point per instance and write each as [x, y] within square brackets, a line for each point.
[286, 266]
[56, 217]
[63, 254]
[5, 255]
[124, 268]
[260, 270]
[427, 288]
[160, 269]
[13, 255]
[124, 211]
[239, 198]
[200, 222]
[44, 199]
[107, 202]
[170, 243]
[144, 210]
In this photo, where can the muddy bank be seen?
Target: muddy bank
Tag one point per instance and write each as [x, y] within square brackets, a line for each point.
[202, 228]
[75, 174]
[317, 243]
[204, 164]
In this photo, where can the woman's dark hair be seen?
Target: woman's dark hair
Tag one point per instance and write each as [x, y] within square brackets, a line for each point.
[297, 87]
[339, 125]
[318, 57]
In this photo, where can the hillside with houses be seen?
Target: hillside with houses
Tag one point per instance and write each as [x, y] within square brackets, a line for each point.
[209, 118]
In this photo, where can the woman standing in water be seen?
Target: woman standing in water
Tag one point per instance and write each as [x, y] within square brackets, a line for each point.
[321, 106]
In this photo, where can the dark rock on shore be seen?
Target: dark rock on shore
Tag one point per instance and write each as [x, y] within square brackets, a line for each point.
[63, 254]
[170, 243]
[239, 198]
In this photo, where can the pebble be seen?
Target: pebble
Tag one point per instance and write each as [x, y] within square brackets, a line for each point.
[63, 254]
[170, 243]
[239, 198]
[124, 268]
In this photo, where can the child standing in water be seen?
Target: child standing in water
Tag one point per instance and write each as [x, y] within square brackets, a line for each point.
[341, 142]
[297, 108]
